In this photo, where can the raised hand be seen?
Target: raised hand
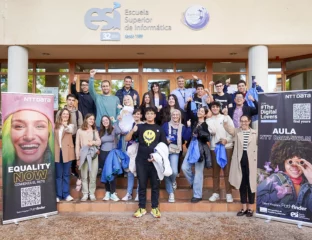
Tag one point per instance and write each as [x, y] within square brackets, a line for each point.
[92, 73]
[188, 123]
[211, 83]
[251, 98]
[75, 79]
[306, 169]
[195, 77]
[225, 111]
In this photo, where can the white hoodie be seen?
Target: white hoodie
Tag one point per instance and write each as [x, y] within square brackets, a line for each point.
[217, 131]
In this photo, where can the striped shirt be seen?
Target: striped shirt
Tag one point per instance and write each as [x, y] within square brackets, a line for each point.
[245, 138]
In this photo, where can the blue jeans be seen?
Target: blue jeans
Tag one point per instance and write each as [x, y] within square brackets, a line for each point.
[131, 183]
[174, 161]
[62, 171]
[197, 179]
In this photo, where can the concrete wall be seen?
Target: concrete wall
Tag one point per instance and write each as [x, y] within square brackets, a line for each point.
[61, 22]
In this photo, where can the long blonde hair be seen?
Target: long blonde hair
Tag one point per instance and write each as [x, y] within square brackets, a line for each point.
[131, 100]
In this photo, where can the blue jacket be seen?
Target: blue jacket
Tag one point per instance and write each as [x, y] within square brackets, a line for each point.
[186, 132]
[193, 154]
[267, 193]
[115, 161]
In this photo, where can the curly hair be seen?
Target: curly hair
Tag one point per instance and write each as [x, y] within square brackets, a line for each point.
[283, 150]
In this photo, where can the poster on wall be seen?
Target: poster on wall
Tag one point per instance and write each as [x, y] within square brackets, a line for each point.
[27, 156]
[284, 190]
[54, 91]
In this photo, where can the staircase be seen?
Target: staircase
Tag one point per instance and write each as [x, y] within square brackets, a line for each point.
[183, 195]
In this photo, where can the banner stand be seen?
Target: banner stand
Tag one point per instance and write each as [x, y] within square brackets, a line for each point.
[17, 220]
[299, 224]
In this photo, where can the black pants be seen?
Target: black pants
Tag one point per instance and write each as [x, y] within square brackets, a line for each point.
[147, 171]
[109, 186]
[245, 190]
[74, 162]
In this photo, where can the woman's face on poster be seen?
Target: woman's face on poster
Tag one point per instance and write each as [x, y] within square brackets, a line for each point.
[291, 167]
[29, 134]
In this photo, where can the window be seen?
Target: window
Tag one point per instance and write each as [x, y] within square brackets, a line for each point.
[275, 67]
[157, 67]
[86, 67]
[299, 64]
[4, 67]
[274, 82]
[229, 67]
[299, 81]
[59, 81]
[52, 67]
[191, 67]
[123, 67]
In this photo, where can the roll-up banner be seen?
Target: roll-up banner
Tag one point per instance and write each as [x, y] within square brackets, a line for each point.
[27, 156]
[284, 191]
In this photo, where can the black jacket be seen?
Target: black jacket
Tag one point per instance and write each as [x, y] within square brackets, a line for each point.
[85, 102]
[122, 92]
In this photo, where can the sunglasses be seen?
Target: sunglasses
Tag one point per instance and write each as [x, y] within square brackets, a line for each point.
[292, 162]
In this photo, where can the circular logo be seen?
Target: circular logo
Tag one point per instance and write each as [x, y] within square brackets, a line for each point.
[196, 17]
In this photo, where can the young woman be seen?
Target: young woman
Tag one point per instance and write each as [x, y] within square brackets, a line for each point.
[87, 137]
[158, 98]
[125, 118]
[243, 170]
[146, 102]
[201, 133]
[165, 112]
[291, 182]
[64, 154]
[176, 133]
[108, 134]
[137, 120]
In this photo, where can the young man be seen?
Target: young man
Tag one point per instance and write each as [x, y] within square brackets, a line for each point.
[128, 90]
[76, 119]
[148, 135]
[85, 102]
[224, 99]
[199, 100]
[182, 93]
[105, 103]
[241, 109]
[220, 136]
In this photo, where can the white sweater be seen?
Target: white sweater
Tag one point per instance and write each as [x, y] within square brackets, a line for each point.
[217, 131]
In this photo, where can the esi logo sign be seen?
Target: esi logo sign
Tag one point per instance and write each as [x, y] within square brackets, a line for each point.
[196, 17]
[106, 19]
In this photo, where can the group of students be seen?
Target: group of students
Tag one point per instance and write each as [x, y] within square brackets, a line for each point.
[215, 128]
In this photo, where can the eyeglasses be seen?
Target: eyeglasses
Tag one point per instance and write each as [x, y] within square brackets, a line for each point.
[293, 162]
[84, 85]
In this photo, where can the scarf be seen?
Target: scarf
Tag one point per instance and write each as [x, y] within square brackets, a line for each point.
[296, 181]
[179, 133]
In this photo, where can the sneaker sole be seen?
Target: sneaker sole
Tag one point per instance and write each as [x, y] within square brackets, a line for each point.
[229, 201]
[115, 200]
[155, 216]
[171, 201]
[106, 199]
[140, 215]
[214, 200]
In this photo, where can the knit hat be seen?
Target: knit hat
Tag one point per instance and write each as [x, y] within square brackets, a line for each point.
[14, 102]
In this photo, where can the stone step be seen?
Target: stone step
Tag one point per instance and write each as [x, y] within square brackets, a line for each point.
[164, 206]
[180, 194]
[182, 182]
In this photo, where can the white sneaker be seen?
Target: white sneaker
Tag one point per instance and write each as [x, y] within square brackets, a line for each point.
[229, 198]
[171, 198]
[174, 186]
[114, 197]
[57, 199]
[127, 197]
[84, 198]
[214, 197]
[136, 198]
[69, 198]
[92, 197]
[107, 196]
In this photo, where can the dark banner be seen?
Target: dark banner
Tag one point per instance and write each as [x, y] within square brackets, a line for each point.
[27, 156]
[285, 156]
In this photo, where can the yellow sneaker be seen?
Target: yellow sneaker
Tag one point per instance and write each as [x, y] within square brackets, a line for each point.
[155, 212]
[139, 213]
